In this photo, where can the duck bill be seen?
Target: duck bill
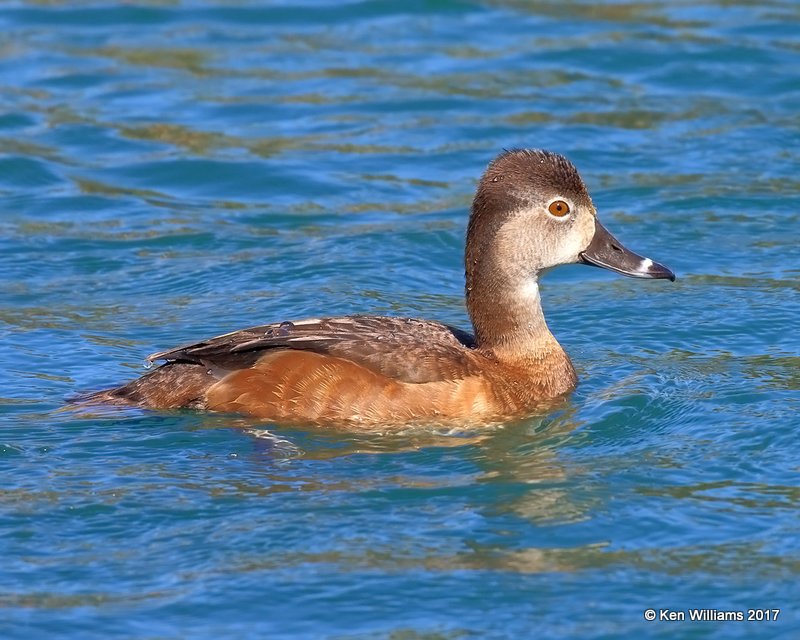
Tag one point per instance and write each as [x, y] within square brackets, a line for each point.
[607, 252]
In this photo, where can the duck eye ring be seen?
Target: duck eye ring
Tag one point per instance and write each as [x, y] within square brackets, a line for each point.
[558, 208]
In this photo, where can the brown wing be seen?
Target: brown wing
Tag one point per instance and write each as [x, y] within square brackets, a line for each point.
[403, 349]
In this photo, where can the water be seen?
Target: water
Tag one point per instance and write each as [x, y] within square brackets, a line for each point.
[170, 171]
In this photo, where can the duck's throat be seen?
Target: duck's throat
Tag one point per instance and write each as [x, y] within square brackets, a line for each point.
[509, 321]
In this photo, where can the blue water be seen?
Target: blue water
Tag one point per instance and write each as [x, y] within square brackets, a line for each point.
[175, 170]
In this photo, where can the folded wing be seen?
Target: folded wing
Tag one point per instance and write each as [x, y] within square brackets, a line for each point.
[403, 349]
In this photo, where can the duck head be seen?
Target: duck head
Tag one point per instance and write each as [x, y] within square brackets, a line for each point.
[532, 212]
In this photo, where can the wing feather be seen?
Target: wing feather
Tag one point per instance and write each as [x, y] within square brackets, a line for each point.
[404, 349]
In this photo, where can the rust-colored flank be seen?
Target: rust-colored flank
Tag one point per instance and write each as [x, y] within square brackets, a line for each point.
[531, 212]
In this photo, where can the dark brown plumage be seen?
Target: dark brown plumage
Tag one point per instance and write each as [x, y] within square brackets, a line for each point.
[356, 369]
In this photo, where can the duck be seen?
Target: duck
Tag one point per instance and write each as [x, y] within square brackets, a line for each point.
[531, 212]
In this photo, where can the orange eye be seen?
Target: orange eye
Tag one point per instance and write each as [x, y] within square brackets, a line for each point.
[558, 208]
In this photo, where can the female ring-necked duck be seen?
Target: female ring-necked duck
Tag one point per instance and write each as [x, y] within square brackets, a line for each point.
[531, 212]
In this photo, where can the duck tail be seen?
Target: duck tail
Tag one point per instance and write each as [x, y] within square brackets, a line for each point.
[174, 385]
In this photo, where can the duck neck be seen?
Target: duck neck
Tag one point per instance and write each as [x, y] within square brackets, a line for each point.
[506, 313]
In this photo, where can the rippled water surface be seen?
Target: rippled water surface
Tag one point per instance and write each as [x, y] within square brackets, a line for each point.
[173, 170]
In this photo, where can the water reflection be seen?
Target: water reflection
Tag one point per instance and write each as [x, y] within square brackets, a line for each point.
[521, 460]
